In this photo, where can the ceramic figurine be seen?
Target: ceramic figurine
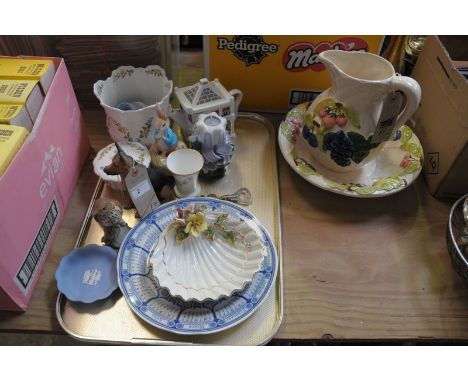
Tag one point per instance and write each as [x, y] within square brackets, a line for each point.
[119, 167]
[166, 143]
[166, 194]
[162, 121]
[205, 97]
[121, 163]
[108, 213]
[212, 139]
[167, 140]
[341, 122]
[123, 155]
[106, 155]
[162, 184]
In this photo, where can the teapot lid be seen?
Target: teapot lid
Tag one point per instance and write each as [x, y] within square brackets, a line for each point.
[203, 95]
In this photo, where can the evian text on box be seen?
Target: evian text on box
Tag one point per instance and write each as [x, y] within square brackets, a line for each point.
[51, 165]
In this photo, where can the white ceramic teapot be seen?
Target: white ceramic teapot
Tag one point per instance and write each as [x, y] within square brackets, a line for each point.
[205, 97]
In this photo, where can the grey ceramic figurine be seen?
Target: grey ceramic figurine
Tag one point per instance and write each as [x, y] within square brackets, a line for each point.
[108, 213]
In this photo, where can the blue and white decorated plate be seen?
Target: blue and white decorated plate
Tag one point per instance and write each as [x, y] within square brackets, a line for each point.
[157, 307]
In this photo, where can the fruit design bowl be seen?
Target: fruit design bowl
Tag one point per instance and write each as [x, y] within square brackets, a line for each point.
[199, 268]
[395, 165]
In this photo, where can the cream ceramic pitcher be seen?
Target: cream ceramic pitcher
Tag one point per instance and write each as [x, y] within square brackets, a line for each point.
[341, 121]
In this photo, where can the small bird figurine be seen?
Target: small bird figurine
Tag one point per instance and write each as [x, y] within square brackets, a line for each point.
[121, 163]
[108, 213]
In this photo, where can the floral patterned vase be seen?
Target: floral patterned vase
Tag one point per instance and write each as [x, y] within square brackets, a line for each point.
[150, 89]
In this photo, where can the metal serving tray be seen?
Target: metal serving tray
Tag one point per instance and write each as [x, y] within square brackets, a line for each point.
[112, 321]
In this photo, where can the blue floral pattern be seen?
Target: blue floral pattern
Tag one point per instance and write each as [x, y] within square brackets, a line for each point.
[154, 304]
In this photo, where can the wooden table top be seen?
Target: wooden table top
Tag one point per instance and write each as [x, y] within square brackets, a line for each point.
[353, 269]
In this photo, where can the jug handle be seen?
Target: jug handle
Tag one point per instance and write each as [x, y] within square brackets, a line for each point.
[411, 89]
[237, 94]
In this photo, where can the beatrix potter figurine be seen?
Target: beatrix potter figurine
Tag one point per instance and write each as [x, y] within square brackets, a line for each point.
[166, 143]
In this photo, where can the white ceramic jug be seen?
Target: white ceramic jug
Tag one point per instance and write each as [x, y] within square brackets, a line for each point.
[341, 121]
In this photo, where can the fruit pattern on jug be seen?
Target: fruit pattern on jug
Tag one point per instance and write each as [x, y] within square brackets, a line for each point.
[343, 147]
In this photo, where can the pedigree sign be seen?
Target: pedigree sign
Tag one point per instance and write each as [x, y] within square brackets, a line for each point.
[277, 72]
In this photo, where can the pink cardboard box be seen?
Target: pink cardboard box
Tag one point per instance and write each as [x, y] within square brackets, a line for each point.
[35, 189]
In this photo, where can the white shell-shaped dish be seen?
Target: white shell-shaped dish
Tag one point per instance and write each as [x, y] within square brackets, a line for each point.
[200, 269]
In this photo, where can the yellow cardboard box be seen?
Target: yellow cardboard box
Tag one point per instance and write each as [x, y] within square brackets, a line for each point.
[15, 115]
[276, 73]
[27, 69]
[23, 92]
[11, 139]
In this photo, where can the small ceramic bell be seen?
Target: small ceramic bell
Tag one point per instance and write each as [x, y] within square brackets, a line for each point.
[108, 214]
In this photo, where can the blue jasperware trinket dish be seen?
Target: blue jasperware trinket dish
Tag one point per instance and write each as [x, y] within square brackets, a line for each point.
[88, 274]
